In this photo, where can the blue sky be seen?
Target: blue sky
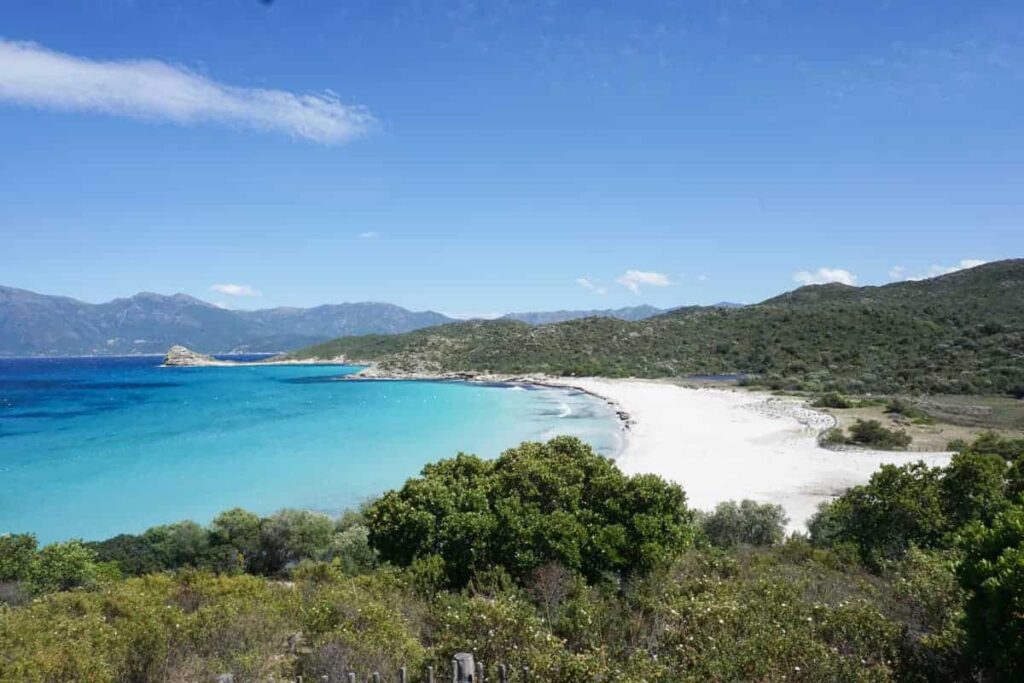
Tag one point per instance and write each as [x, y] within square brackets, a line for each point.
[479, 157]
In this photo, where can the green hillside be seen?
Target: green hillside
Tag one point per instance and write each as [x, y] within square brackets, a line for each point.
[958, 333]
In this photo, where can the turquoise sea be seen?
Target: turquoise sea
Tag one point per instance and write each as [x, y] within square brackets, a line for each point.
[93, 447]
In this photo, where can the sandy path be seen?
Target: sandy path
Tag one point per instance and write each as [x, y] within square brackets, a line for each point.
[731, 444]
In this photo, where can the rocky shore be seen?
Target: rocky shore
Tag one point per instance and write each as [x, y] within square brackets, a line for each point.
[373, 372]
[183, 357]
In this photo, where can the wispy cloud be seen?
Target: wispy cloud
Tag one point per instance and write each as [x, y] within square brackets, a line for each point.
[823, 276]
[150, 89]
[633, 280]
[368, 235]
[900, 273]
[235, 290]
[587, 283]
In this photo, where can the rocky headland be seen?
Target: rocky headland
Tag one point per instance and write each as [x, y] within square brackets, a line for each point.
[179, 356]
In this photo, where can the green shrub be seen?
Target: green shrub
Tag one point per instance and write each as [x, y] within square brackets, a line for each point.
[915, 505]
[899, 406]
[538, 503]
[834, 437]
[956, 445]
[17, 551]
[1008, 448]
[62, 566]
[746, 523]
[899, 507]
[832, 399]
[872, 434]
[993, 575]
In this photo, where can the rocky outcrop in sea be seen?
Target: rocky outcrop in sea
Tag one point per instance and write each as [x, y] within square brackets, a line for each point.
[182, 356]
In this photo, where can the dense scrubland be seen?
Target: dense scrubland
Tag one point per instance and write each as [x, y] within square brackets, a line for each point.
[961, 333]
[548, 557]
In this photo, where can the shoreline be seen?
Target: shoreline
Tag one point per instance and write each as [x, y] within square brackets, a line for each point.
[372, 373]
[718, 443]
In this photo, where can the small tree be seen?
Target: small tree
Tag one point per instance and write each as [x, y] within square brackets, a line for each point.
[239, 530]
[294, 535]
[746, 523]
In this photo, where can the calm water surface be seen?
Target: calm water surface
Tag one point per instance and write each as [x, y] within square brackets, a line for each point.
[92, 447]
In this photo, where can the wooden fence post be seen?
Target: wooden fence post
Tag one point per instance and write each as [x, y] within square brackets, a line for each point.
[430, 674]
[502, 674]
[401, 675]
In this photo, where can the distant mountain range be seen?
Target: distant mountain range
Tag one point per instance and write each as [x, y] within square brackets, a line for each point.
[37, 324]
[628, 313]
[547, 317]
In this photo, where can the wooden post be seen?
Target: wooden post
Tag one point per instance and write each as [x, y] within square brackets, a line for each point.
[455, 671]
[376, 677]
[480, 672]
[430, 674]
[502, 674]
[351, 677]
[526, 673]
[401, 675]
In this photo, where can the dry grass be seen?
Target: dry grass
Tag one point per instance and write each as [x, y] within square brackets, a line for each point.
[956, 417]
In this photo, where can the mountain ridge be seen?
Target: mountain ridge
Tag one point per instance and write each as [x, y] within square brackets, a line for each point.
[33, 324]
[961, 332]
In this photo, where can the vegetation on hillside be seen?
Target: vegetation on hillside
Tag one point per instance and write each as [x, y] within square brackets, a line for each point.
[959, 333]
[917, 575]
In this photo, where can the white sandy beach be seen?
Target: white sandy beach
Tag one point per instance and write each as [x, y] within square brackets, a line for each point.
[722, 444]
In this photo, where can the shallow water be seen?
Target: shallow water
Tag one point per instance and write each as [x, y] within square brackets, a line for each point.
[92, 447]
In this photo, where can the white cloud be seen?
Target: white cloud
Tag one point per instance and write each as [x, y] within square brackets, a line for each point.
[900, 273]
[150, 89]
[634, 279]
[235, 290]
[587, 283]
[824, 276]
[368, 235]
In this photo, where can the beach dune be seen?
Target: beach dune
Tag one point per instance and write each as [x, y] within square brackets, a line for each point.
[723, 444]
